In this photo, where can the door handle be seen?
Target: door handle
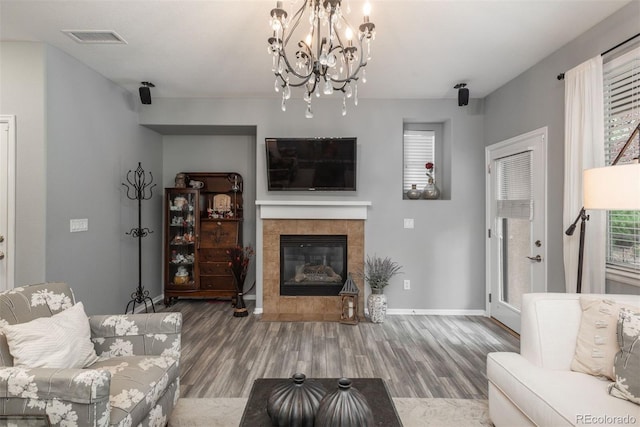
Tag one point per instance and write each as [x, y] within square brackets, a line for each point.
[536, 258]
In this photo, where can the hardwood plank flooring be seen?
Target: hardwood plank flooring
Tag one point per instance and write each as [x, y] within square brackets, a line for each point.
[418, 356]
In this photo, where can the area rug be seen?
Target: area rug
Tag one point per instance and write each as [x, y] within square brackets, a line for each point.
[227, 412]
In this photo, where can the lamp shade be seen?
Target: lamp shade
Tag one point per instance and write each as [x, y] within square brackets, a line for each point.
[612, 187]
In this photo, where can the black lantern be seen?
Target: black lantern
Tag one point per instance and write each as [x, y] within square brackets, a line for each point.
[349, 295]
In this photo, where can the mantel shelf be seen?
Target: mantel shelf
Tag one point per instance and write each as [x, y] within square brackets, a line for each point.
[313, 209]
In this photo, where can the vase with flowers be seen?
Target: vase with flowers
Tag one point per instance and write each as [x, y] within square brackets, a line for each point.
[431, 191]
[239, 260]
[377, 272]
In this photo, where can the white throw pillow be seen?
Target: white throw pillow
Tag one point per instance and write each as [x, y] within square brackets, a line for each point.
[60, 341]
[597, 344]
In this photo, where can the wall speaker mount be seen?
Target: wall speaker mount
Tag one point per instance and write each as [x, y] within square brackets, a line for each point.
[463, 94]
[145, 92]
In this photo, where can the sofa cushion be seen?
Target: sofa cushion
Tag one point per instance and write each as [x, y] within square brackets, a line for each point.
[627, 361]
[597, 345]
[137, 383]
[553, 397]
[60, 341]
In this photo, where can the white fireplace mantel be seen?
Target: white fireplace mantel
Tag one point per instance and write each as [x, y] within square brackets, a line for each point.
[311, 209]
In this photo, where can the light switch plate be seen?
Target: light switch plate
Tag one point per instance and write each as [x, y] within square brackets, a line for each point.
[76, 225]
[408, 223]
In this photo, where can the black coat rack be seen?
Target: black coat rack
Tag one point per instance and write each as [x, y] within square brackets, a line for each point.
[139, 189]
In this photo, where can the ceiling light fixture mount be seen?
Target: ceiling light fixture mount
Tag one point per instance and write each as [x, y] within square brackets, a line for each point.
[327, 59]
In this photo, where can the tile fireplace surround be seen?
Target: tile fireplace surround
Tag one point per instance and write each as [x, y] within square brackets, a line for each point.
[297, 218]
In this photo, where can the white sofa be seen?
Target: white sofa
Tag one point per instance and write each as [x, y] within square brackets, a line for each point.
[537, 387]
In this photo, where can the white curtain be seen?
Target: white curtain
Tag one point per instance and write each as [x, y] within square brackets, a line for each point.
[584, 149]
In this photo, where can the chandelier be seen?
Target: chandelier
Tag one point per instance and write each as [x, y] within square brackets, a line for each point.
[328, 59]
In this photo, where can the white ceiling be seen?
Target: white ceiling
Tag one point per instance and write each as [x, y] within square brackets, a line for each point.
[218, 48]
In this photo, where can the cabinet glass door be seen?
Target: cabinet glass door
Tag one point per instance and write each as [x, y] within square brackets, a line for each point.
[181, 238]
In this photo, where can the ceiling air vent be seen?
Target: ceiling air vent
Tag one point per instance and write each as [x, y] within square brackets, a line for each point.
[94, 36]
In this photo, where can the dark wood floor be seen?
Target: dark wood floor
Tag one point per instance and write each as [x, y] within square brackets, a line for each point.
[418, 356]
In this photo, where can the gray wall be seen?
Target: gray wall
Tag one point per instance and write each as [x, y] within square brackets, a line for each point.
[216, 153]
[536, 99]
[77, 137]
[444, 255]
[93, 140]
[22, 93]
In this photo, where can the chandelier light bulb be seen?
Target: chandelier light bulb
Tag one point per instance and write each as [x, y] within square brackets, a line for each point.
[366, 10]
[349, 34]
[308, 40]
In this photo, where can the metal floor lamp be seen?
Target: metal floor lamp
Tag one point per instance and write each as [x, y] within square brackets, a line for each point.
[608, 188]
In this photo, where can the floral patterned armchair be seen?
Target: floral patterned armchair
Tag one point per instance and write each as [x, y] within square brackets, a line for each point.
[135, 381]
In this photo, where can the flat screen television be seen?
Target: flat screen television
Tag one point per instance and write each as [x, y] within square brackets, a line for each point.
[311, 164]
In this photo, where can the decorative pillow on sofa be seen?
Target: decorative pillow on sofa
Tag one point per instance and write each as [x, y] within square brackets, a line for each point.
[60, 341]
[626, 365]
[597, 344]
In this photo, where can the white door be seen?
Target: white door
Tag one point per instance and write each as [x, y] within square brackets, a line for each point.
[516, 230]
[7, 201]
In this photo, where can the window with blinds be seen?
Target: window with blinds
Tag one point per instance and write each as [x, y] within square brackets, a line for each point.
[514, 186]
[419, 148]
[622, 114]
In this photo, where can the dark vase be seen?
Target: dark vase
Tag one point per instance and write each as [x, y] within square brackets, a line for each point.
[294, 403]
[344, 407]
[240, 309]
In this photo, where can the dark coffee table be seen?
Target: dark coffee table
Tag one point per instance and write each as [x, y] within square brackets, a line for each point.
[374, 389]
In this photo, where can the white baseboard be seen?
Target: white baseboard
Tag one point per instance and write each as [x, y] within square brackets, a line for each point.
[156, 300]
[391, 312]
[435, 312]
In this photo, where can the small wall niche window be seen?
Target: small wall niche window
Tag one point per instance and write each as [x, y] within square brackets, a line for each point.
[423, 143]
[622, 114]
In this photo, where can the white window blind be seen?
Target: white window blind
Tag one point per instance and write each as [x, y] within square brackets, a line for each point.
[419, 148]
[622, 114]
[514, 186]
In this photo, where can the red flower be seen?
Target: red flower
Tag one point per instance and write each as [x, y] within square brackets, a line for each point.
[429, 165]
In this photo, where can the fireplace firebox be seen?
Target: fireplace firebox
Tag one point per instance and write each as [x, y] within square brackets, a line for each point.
[312, 265]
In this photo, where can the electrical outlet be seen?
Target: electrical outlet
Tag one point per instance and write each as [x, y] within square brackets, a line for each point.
[407, 285]
[408, 223]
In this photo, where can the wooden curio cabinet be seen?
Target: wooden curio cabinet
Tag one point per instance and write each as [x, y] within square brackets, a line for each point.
[202, 221]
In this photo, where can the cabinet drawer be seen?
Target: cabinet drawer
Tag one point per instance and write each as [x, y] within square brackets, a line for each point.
[213, 255]
[215, 268]
[221, 283]
[216, 234]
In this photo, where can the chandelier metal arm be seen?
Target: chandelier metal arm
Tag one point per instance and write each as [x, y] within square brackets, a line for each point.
[329, 65]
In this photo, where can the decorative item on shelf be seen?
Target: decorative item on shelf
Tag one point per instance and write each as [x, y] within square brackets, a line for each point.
[295, 403]
[324, 59]
[344, 407]
[181, 277]
[431, 190]
[139, 189]
[181, 180]
[414, 193]
[236, 186]
[196, 184]
[239, 260]
[349, 294]
[377, 272]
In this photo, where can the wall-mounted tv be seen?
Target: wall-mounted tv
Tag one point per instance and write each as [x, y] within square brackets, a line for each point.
[311, 164]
